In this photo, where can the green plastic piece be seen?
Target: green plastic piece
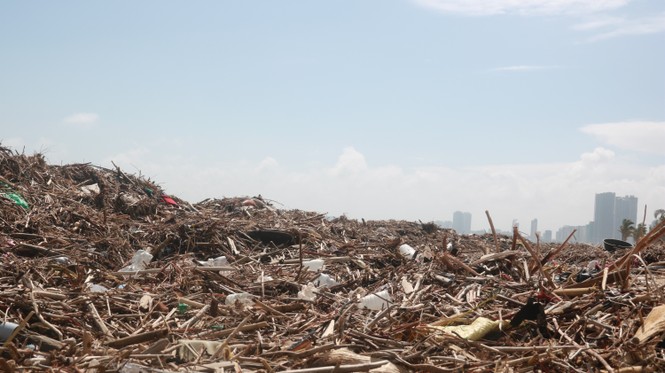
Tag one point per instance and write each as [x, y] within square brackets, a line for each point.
[17, 199]
[182, 308]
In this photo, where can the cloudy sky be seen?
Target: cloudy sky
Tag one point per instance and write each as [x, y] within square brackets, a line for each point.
[405, 109]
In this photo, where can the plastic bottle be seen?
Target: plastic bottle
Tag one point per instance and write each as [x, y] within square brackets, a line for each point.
[325, 281]
[215, 262]
[140, 261]
[94, 288]
[407, 251]
[243, 298]
[313, 265]
[376, 301]
[307, 292]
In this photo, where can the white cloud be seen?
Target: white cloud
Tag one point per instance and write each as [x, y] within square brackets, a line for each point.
[523, 68]
[82, 120]
[555, 193]
[597, 155]
[639, 136]
[613, 27]
[521, 7]
[598, 22]
[267, 164]
[350, 162]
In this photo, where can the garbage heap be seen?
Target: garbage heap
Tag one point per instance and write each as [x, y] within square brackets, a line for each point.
[102, 271]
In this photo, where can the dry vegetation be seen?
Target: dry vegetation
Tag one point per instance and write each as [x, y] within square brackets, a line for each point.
[71, 301]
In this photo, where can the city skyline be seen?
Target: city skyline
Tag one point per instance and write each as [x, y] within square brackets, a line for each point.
[609, 213]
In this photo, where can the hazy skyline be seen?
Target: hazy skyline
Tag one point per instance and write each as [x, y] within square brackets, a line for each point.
[379, 109]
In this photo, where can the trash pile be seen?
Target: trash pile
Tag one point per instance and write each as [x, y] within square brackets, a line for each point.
[102, 271]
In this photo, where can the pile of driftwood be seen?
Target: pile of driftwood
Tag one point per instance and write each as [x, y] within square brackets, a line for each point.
[101, 271]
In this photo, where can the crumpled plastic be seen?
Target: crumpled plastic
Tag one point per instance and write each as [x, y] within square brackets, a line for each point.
[17, 199]
[189, 349]
[475, 331]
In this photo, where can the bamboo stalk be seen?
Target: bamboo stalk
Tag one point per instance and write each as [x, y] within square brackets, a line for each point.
[496, 241]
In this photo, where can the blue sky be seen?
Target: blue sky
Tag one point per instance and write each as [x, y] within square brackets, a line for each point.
[406, 109]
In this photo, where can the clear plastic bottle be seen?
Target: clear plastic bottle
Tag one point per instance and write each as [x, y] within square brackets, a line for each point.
[376, 301]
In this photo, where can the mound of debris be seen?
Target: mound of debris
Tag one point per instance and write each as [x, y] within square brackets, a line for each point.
[102, 271]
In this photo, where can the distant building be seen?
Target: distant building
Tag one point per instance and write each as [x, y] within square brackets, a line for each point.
[462, 222]
[445, 224]
[583, 233]
[609, 213]
[603, 217]
[534, 229]
[624, 208]
[547, 236]
[564, 232]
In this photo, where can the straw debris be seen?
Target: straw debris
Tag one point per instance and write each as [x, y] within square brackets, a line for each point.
[103, 271]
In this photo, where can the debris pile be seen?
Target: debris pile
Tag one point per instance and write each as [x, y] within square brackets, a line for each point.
[102, 271]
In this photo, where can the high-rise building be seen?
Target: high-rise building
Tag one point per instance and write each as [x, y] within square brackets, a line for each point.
[445, 224]
[609, 212]
[603, 217]
[547, 236]
[624, 208]
[564, 232]
[462, 222]
[534, 229]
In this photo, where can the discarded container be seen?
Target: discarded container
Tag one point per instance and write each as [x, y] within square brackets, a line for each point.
[407, 251]
[307, 292]
[244, 299]
[62, 260]
[407, 286]
[215, 262]
[611, 244]
[95, 288]
[263, 278]
[140, 261]
[562, 277]
[325, 281]
[376, 301]
[6, 330]
[92, 189]
[445, 278]
[477, 330]
[313, 265]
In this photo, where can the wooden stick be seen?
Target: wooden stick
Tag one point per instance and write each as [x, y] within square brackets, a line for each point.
[98, 320]
[268, 308]
[196, 317]
[138, 338]
[452, 262]
[50, 294]
[222, 333]
[41, 318]
[553, 254]
[496, 241]
[575, 291]
[340, 368]
[225, 343]
[600, 358]
[536, 260]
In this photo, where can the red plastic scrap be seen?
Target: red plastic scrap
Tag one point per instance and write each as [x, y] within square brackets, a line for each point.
[169, 200]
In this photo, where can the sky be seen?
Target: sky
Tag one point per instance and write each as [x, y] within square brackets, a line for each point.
[376, 109]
